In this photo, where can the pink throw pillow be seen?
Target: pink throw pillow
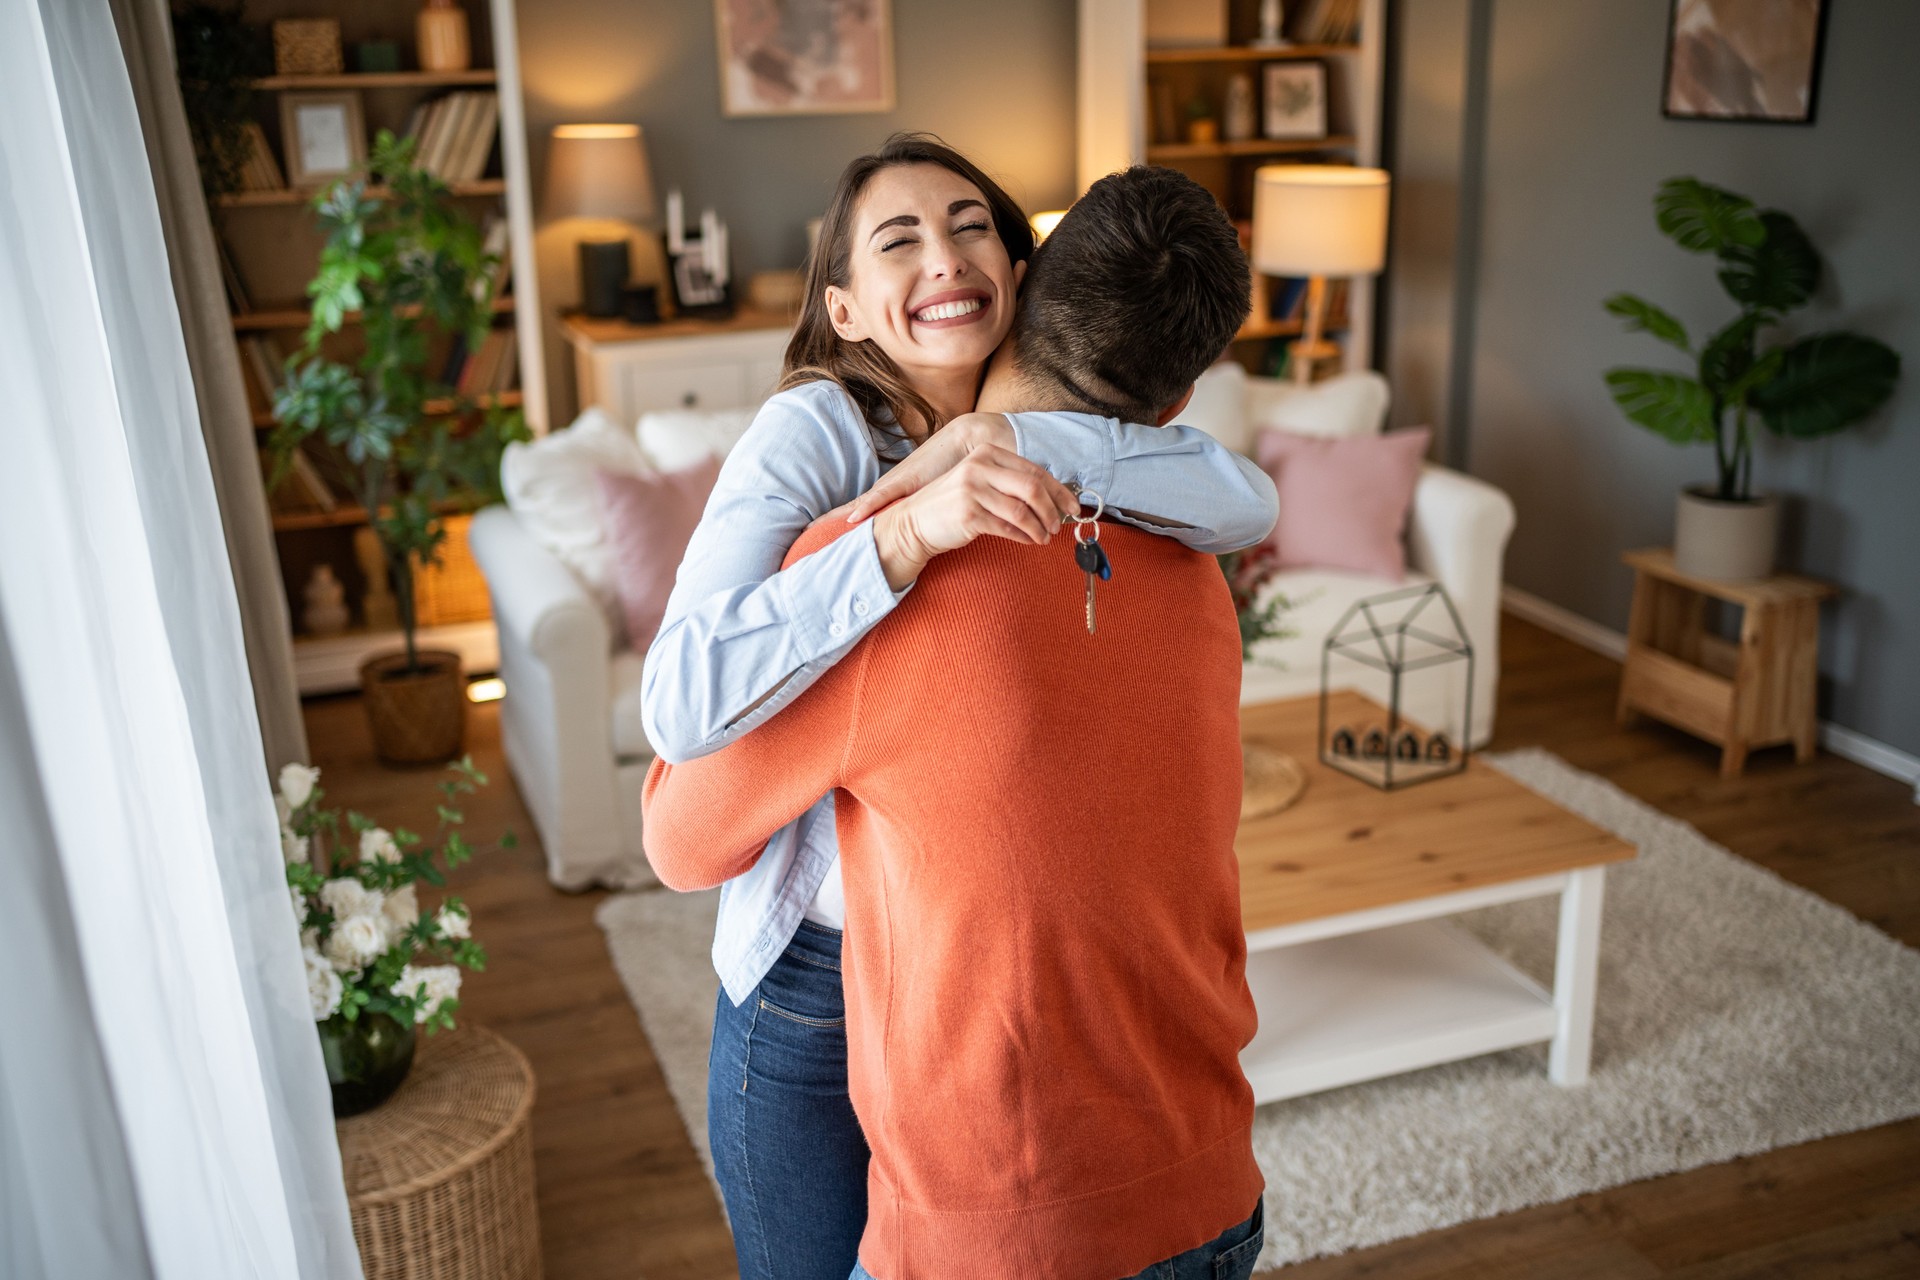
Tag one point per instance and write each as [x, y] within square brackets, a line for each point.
[1344, 502]
[649, 520]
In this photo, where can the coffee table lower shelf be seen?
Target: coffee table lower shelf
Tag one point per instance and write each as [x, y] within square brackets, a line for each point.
[1339, 1010]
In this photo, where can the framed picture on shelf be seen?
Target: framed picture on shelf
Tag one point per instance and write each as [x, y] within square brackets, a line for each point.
[804, 59]
[324, 135]
[1743, 62]
[1294, 100]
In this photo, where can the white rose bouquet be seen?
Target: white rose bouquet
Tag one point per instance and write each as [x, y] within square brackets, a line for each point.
[368, 945]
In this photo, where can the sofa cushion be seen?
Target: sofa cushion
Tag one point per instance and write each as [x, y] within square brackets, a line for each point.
[1219, 407]
[624, 678]
[673, 439]
[1343, 503]
[649, 519]
[549, 483]
[1348, 404]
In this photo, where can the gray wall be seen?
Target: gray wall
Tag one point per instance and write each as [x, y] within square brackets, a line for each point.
[1513, 226]
[993, 77]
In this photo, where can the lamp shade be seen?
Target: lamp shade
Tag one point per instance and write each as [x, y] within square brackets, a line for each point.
[1319, 220]
[599, 171]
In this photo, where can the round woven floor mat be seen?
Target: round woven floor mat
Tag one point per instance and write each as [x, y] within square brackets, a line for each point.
[1273, 780]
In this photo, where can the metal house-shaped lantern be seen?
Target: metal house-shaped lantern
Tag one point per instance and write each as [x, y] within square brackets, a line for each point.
[1413, 642]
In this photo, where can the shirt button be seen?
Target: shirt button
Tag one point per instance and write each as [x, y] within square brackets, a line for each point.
[836, 629]
[860, 607]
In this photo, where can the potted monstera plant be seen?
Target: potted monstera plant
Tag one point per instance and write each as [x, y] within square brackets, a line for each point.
[409, 266]
[1799, 388]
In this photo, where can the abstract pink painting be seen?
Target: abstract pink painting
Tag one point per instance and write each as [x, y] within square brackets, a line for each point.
[1744, 60]
[805, 57]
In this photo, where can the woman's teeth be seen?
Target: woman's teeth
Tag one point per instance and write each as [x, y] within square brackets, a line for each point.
[948, 310]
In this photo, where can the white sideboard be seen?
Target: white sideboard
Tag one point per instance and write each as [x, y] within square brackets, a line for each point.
[631, 369]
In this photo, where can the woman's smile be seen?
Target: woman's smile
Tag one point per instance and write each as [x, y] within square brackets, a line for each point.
[951, 308]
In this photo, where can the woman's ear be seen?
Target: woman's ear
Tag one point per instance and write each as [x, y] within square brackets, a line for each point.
[1019, 274]
[841, 316]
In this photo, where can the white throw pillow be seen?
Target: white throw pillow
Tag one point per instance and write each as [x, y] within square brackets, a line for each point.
[550, 487]
[675, 439]
[1348, 404]
[1219, 407]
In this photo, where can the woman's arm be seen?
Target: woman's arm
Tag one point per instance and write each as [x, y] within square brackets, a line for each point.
[741, 637]
[1176, 481]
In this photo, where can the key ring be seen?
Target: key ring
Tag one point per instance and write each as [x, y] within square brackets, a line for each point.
[1080, 522]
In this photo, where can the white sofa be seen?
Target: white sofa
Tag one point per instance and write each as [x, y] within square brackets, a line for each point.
[571, 724]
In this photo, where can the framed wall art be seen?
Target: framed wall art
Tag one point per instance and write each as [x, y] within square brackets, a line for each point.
[1753, 60]
[805, 57]
[325, 136]
[1294, 100]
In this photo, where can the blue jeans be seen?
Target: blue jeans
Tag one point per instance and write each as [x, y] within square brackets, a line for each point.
[789, 1154]
[1228, 1256]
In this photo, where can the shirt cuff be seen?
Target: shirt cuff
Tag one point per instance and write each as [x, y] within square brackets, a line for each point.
[1077, 448]
[841, 595]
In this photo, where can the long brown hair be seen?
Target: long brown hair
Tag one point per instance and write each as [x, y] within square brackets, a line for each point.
[817, 353]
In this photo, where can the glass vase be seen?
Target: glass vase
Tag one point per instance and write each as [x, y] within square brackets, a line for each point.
[366, 1059]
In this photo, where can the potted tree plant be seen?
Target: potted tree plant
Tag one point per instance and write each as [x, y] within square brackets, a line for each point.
[1803, 388]
[410, 265]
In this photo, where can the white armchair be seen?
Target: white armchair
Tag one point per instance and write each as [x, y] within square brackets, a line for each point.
[570, 721]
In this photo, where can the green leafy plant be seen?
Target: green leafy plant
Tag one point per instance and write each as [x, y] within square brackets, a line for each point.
[409, 262]
[369, 947]
[1807, 387]
[217, 55]
[1248, 572]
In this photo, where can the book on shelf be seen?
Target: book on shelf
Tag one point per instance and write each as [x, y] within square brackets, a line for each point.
[265, 371]
[454, 134]
[260, 171]
[230, 275]
[301, 489]
[491, 366]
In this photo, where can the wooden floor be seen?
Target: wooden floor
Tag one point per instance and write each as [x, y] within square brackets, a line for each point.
[622, 1193]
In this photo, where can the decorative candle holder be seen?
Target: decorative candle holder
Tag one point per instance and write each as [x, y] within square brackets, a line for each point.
[1411, 635]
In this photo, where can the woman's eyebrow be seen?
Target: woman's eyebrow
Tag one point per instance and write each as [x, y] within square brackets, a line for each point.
[913, 220]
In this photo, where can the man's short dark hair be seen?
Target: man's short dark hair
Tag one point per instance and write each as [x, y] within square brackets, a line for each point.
[1134, 294]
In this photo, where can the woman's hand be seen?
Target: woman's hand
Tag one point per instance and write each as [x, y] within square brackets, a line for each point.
[962, 438]
[989, 490]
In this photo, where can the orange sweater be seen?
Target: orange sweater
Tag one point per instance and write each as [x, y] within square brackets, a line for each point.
[1044, 963]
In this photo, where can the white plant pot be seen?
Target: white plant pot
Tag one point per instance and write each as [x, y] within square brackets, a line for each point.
[1726, 541]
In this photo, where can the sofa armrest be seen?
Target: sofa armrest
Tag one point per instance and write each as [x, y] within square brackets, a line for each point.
[1458, 536]
[536, 597]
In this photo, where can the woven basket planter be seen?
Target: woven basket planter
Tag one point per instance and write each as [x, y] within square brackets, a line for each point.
[440, 1178]
[419, 718]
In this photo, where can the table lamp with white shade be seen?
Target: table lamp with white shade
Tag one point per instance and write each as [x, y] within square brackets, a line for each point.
[1318, 220]
[600, 171]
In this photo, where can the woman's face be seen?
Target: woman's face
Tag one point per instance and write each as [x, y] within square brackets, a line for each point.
[929, 282]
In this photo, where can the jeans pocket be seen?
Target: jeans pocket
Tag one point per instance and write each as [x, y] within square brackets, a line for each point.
[805, 1020]
[1237, 1263]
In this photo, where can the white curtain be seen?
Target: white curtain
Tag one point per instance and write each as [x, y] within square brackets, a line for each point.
[162, 1106]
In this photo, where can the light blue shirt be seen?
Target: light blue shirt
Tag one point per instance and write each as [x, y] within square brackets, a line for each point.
[738, 626]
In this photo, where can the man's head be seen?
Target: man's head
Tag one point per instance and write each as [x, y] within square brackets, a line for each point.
[1129, 299]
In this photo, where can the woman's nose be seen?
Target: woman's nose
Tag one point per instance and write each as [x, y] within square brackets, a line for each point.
[945, 262]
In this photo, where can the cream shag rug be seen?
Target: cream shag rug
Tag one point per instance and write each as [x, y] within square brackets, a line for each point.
[1737, 1013]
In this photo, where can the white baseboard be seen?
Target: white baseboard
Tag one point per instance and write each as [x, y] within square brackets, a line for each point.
[1838, 739]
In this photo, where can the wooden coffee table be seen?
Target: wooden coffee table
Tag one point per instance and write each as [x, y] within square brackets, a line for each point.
[1354, 968]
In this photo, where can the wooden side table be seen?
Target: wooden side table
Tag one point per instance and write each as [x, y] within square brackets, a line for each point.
[631, 369]
[440, 1176]
[1757, 693]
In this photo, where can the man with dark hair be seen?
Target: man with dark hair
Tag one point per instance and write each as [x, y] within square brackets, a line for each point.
[1132, 296]
[1044, 963]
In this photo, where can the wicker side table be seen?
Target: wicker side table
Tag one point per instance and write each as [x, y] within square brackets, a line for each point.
[440, 1177]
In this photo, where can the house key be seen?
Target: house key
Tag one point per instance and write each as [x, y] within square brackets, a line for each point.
[1090, 555]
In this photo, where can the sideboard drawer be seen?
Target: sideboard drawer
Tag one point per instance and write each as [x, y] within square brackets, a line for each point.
[647, 388]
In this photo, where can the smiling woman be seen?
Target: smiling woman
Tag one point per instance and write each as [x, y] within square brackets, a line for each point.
[911, 227]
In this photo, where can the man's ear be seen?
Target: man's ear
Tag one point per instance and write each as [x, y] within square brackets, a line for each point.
[1172, 411]
[841, 315]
